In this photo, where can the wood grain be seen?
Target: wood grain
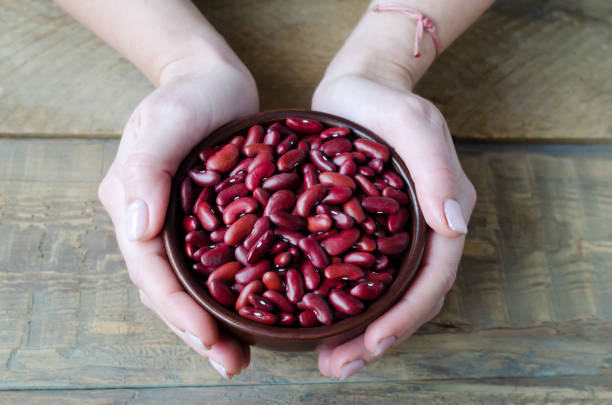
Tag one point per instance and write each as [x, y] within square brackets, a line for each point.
[532, 299]
[532, 71]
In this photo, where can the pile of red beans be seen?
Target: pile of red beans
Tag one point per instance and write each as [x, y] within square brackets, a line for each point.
[297, 224]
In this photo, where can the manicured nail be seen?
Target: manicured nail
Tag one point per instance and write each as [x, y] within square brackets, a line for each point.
[384, 345]
[350, 369]
[220, 369]
[195, 340]
[454, 216]
[137, 219]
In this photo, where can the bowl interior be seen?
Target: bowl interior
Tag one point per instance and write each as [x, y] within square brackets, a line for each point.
[174, 240]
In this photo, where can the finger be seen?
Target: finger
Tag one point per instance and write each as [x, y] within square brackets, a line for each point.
[418, 132]
[435, 278]
[228, 356]
[324, 361]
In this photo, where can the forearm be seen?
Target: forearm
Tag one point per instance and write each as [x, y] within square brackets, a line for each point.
[382, 44]
[161, 37]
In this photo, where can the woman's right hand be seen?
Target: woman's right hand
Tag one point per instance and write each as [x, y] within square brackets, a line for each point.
[189, 104]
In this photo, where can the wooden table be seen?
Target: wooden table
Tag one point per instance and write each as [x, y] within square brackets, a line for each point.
[527, 92]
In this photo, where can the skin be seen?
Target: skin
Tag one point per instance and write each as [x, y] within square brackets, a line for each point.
[201, 84]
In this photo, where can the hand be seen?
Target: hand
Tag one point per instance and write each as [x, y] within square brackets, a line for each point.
[188, 105]
[418, 132]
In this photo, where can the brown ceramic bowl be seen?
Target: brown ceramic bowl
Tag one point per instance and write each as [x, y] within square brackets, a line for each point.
[276, 337]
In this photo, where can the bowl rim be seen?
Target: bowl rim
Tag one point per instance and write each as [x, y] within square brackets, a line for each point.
[404, 275]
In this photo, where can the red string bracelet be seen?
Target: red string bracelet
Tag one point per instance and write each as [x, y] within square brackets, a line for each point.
[423, 24]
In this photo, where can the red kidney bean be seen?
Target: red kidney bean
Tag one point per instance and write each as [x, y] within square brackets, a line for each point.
[368, 290]
[231, 193]
[240, 229]
[312, 278]
[319, 306]
[342, 158]
[225, 272]
[281, 181]
[201, 269]
[233, 210]
[344, 302]
[272, 281]
[383, 277]
[366, 171]
[381, 263]
[398, 221]
[377, 165]
[321, 162]
[294, 286]
[287, 144]
[393, 179]
[342, 221]
[256, 148]
[304, 125]
[308, 319]
[319, 236]
[272, 137]
[254, 287]
[217, 256]
[348, 168]
[198, 238]
[397, 195]
[286, 319]
[372, 149]
[369, 226]
[189, 250]
[341, 242]
[366, 244]
[222, 293]
[260, 302]
[279, 247]
[187, 194]
[235, 179]
[290, 160]
[261, 247]
[310, 175]
[218, 235]
[206, 153]
[345, 271]
[257, 315]
[261, 225]
[304, 147]
[335, 132]
[255, 176]
[238, 141]
[204, 178]
[361, 259]
[288, 221]
[384, 205]
[379, 184]
[280, 301]
[207, 217]
[282, 259]
[353, 208]
[255, 135]
[366, 185]
[203, 196]
[332, 179]
[338, 195]
[309, 198]
[393, 244]
[197, 255]
[282, 200]
[315, 252]
[253, 272]
[277, 126]
[336, 146]
[241, 254]
[264, 156]
[328, 284]
[323, 209]
[290, 236]
[225, 159]
[261, 195]
[319, 223]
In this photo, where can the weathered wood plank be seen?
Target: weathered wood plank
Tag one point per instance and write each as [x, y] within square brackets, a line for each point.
[515, 392]
[535, 71]
[532, 298]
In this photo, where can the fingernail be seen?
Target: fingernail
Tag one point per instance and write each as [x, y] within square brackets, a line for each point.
[137, 219]
[454, 216]
[220, 369]
[195, 340]
[350, 369]
[384, 345]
